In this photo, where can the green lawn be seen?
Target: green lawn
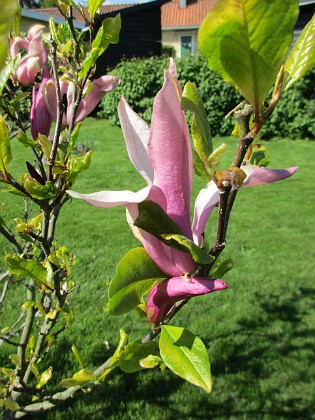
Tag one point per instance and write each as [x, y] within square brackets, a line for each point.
[260, 333]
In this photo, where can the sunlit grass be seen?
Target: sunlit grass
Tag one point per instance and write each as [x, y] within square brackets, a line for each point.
[259, 332]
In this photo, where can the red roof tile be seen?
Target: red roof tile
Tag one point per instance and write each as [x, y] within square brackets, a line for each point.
[191, 15]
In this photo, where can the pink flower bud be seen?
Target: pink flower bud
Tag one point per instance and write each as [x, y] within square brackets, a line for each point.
[36, 55]
[40, 117]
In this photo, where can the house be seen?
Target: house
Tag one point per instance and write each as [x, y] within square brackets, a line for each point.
[181, 20]
[180, 23]
[148, 26]
[140, 34]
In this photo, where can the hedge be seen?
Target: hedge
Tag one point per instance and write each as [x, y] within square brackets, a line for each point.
[142, 78]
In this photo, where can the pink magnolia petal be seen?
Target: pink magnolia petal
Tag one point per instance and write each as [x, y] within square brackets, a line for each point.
[101, 86]
[40, 117]
[260, 176]
[37, 49]
[170, 154]
[112, 198]
[35, 30]
[69, 90]
[163, 296]
[171, 261]
[18, 42]
[50, 98]
[205, 202]
[136, 134]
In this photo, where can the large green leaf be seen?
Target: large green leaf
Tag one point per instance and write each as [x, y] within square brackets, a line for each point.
[200, 129]
[7, 10]
[302, 56]
[184, 244]
[135, 276]
[5, 146]
[153, 219]
[246, 41]
[28, 268]
[186, 355]
[106, 35]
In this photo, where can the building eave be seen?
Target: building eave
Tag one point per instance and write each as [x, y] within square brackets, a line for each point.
[180, 28]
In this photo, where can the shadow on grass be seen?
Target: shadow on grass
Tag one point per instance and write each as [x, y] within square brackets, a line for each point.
[261, 370]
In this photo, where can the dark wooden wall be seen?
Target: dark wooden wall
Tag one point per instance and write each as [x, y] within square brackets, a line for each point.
[140, 36]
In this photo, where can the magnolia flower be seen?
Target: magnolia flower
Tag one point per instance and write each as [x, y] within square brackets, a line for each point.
[90, 98]
[36, 57]
[162, 154]
[208, 198]
[40, 117]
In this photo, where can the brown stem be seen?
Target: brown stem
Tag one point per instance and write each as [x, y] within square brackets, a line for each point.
[11, 239]
[60, 110]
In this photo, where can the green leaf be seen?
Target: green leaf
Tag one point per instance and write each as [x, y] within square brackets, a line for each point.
[73, 139]
[246, 42]
[5, 73]
[5, 146]
[186, 355]
[135, 276]
[200, 130]
[186, 245]
[81, 378]
[78, 164]
[25, 140]
[302, 56]
[11, 405]
[153, 219]
[106, 35]
[214, 158]
[150, 362]
[132, 355]
[78, 356]
[28, 268]
[260, 156]
[39, 191]
[219, 269]
[8, 8]
[199, 167]
[44, 377]
[93, 5]
[123, 340]
[9, 189]
[45, 144]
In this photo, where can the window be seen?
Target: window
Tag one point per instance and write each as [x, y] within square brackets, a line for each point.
[185, 45]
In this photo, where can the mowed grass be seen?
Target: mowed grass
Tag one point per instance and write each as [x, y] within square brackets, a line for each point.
[260, 333]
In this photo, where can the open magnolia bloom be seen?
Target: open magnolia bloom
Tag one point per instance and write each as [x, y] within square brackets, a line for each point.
[36, 57]
[90, 98]
[162, 154]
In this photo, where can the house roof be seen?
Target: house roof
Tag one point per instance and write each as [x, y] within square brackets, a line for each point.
[54, 12]
[174, 16]
[38, 15]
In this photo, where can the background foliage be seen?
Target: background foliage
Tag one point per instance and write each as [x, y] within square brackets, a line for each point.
[141, 79]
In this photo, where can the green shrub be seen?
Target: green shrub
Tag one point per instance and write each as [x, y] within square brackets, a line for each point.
[294, 116]
[141, 79]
